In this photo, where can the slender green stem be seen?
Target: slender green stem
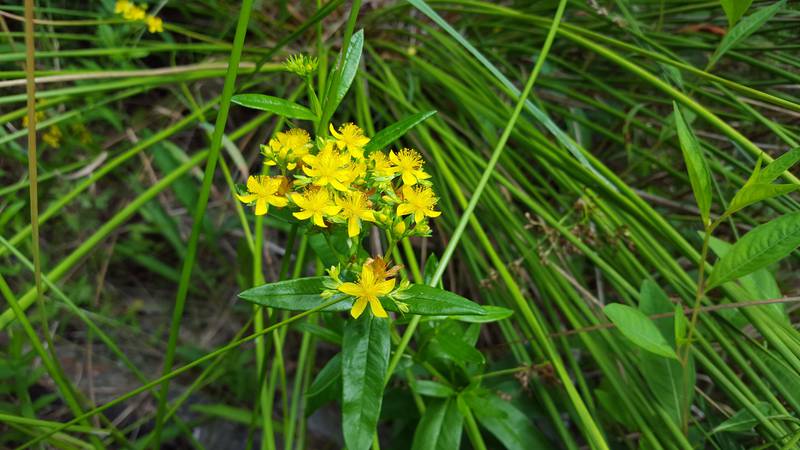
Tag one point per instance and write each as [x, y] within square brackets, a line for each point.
[200, 207]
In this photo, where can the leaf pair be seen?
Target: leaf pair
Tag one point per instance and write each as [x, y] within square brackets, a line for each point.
[303, 294]
[759, 186]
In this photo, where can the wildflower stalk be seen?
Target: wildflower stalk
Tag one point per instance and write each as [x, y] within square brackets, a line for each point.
[200, 207]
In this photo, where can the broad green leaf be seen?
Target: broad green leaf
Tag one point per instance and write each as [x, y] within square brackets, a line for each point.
[431, 301]
[790, 382]
[664, 376]
[274, 105]
[432, 389]
[637, 327]
[302, 294]
[744, 29]
[329, 375]
[395, 131]
[699, 175]
[365, 358]
[507, 423]
[756, 192]
[440, 427]
[653, 300]
[350, 67]
[744, 420]
[762, 246]
[780, 165]
[761, 285]
[735, 9]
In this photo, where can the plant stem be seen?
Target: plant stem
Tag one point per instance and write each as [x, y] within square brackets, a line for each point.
[200, 208]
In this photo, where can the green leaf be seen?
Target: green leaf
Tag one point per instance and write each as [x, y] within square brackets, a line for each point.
[302, 294]
[329, 375]
[762, 246]
[665, 378]
[760, 284]
[431, 301]
[780, 165]
[432, 389]
[744, 420]
[637, 327]
[395, 131]
[440, 427]
[699, 175]
[274, 105]
[744, 29]
[653, 300]
[492, 314]
[756, 192]
[350, 67]
[507, 423]
[365, 358]
[735, 9]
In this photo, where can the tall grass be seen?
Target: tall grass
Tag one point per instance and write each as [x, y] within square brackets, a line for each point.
[555, 156]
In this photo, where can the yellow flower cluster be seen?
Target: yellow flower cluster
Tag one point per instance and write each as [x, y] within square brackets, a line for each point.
[130, 11]
[333, 181]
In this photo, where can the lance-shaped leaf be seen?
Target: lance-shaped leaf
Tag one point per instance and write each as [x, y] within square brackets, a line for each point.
[743, 29]
[440, 427]
[637, 327]
[779, 166]
[365, 357]
[762, 246]
[759, 186]
[699, 175]
[302, 294]
[274, 105]
[395, 131]
[735, 9]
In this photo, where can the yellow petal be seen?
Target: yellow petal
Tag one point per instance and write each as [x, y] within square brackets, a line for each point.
[353, 227]
[377, 308]
[261, 206]
[404, 209]
[384, 287]
[358, 307]
[280, 202]
[303, 215]
[367, 215]
[331, 210]
[432, 213]
[350, 289]
[252, 183]
[333, 131]
[409, 179]
[318, 220]
[419, 216]
[246, 198]
[393, 158]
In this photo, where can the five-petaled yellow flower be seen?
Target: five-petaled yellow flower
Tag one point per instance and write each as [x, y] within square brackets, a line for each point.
[288, 148]
[263, 190]
[367, 289]
[355, 208]
[381, 166]
[154, 24]
[122, 6]
[315, 205]
[328, 167]
[350, 136]
[409, 164]
[418, 201]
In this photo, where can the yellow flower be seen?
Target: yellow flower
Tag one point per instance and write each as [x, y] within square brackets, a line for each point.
[409, 164]
[315, 204]
[350, 136]
[287, 148]
[263, 190]
[367, 290]
[133, 12]
[355, 208]
[122, 6]
[418, 201]
[381, 166]
[53, 136]
[328, 167]
[154, 24]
